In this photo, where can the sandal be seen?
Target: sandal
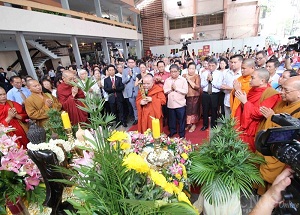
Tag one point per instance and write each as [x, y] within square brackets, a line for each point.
[187, 127]
[192, 129]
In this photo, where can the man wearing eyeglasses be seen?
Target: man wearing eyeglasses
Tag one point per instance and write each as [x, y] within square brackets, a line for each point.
[248, 113]
[290, 103]
[261, 59]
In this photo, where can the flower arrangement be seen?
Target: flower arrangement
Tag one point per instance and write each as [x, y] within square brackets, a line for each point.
[19, 176]
[173, 179]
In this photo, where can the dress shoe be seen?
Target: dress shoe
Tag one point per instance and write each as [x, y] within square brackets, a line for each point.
[135, 122]
[204, 128]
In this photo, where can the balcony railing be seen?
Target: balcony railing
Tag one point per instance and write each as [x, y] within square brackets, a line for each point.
[29, 5]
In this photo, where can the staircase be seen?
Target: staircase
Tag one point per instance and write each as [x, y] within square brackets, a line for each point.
[42, 48]
[39, 61]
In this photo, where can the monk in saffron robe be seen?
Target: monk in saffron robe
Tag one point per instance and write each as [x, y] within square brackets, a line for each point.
[290, 103]
[242, 83]
[12, 114]
[149, 102]
[38, 103]
[68, 96]
[248, 113]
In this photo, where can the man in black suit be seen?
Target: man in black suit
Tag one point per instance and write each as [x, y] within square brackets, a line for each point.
[114, 87]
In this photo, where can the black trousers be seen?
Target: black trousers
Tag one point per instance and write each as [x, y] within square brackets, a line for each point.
[117, 109]
[177, 115]
[210, 103]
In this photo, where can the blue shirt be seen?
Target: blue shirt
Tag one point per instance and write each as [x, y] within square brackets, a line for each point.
[14, 94]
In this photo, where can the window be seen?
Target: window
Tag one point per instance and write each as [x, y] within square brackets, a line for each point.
[181, 23]
[210, 19]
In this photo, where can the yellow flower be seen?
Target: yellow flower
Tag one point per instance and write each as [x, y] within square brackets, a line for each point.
[180, 186]
[125, 145]
[183, 198]
[136, 162]
[148, 131]
[175, 189]
[118, 136]
[178, 176]
[184, 156]
[184, 174]
[158, 178]
[169, 188]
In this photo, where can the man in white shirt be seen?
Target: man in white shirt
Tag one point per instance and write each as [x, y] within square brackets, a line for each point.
[229, 77]
[211, 81]
[271, 67]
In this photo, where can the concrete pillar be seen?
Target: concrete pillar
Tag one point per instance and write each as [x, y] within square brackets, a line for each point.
[65, 4]
[120, 14]
[25, 55]
[76, 51]
[105, 50]
[139, 49]
[98, 8]
[165, 25]
[125, 49]
[135, 20]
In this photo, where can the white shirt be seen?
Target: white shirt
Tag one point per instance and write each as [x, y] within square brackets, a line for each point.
[216, 82]
[228, 79]
[51, 73]
[274, 80]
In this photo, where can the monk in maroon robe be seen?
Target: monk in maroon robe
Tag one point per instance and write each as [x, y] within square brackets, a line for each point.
[68, 96]
[12, 114]
[248, 113]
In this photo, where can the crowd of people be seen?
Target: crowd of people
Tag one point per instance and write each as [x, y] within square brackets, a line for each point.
[178, 91]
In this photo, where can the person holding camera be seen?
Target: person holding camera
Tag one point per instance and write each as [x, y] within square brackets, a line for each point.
[272, 198]
[290, 104]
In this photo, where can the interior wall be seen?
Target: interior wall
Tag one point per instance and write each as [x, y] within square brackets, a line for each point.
[7, 58]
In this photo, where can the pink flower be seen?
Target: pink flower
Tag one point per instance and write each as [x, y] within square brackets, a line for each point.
[176, 182]
[87, 159]
[32, 181]
[7, 164]
[182, 161]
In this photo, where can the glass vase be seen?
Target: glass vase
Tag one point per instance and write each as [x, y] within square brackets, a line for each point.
[18, 207]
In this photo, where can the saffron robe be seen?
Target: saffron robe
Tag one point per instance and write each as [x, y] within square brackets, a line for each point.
[37, 109]
[273, 166]
[153, 108]
[245, 87]
[248, 115]
[70, 104]
[15, 123]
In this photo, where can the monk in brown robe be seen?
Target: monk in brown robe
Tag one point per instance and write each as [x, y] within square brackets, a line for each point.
[38, 103]
[12, 114]
[248, 113]
[242, 83]
[290, 103]
[149, 102]
[68, 96]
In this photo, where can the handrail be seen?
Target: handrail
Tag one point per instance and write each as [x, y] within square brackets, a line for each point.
[29, 5]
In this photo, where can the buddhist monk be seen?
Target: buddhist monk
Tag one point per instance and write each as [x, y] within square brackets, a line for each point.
[38, 103]
[248, 113]
[12, 114]
[290, 103]
[242, 83]
[149, 102]
[68, 96]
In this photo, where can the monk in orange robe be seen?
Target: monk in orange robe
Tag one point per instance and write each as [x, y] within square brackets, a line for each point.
[290, 103]
[149, 103]
[248, 113]
[242, 83]
[68, 96]
[12, 114]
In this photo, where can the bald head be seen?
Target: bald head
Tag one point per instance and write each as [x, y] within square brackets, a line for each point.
[34, 86]
[249, 62]
[260, 78]
[263, 74]
[248, 67]
[68, 76]
[293, 82]
[148, 82]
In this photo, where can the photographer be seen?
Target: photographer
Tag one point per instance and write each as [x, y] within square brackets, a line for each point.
[273, 197]
[290, 94]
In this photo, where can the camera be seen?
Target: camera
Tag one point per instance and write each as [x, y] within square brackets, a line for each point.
[184, 46]
[295, 46]
[281, 142]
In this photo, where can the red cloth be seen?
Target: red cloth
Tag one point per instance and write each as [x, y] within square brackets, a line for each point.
[19, 132]
[153, 108]
[248, 115]
[163, 76]
[70, 103]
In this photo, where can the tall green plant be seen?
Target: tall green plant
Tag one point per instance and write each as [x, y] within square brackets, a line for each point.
[224, 165]
[108, 187]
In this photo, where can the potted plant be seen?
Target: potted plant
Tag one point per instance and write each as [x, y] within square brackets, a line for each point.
[19, 176]
[224, 167]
